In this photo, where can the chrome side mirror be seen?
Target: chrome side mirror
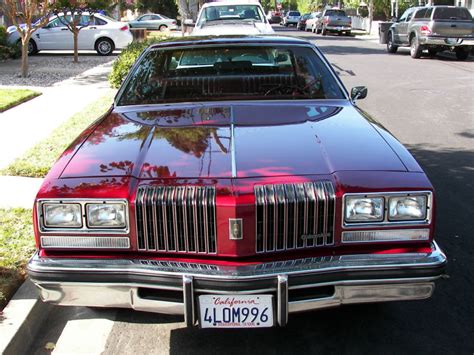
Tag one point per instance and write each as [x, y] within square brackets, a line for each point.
[358, 93]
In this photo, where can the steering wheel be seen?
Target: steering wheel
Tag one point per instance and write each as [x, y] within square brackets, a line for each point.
[292, 90]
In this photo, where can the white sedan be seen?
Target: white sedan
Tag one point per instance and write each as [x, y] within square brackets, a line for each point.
[243, 17]
[101, 33]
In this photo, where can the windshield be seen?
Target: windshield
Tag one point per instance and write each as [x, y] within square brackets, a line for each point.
[230, 12]
[230, 73]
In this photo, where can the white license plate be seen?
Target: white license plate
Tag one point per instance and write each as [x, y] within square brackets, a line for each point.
[239, 311]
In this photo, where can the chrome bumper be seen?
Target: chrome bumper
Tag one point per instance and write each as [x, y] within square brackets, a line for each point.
[338, 28]
[173, 287]
[444, 41]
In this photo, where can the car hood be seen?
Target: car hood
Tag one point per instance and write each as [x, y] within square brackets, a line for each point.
[233, 29]
[233, 140]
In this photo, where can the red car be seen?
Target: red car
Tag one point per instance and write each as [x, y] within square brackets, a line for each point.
[234, 181]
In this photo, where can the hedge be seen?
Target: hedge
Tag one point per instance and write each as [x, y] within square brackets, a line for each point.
[127, 58]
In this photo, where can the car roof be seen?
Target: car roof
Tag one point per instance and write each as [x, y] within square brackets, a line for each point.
[237, 39]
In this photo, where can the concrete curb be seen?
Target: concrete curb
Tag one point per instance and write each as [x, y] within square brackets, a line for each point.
[21, 320]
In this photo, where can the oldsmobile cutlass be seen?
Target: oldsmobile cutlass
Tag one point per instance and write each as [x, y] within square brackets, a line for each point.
[234, 181]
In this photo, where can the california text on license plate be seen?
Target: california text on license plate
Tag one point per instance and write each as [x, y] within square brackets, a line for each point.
[239, 311]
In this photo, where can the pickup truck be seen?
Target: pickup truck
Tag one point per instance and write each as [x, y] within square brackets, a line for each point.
[433, 28]
[334, 20]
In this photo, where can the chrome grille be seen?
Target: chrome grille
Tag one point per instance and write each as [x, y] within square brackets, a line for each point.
[176, 219]
[293, 216]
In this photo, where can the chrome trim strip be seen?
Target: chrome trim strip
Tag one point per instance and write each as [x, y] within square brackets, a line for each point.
[385, 222]
[306, 266]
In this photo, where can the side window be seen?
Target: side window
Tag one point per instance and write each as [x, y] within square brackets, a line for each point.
[404, 16]
[146, 18]
[99, 21]
[55, 23]
[420, 14]
[409, 16]
[428, 13]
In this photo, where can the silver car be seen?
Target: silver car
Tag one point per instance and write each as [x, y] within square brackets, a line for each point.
[154, 22]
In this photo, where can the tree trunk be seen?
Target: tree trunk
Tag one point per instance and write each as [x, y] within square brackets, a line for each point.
[75, 35]
[371, 14]
[24, 58]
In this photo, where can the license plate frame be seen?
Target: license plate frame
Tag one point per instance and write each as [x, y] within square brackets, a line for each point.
[236, 311]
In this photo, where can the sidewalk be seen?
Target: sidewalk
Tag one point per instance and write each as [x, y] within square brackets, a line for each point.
[25, 125]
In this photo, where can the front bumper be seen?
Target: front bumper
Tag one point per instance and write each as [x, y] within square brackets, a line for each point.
[447, 42]
[298, 285]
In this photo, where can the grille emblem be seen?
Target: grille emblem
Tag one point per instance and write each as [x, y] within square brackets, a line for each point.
[235, 228]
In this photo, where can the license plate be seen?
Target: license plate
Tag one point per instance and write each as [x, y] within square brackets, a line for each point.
[452, 40]
[239, 311]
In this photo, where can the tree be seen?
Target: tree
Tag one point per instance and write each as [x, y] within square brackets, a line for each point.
[71, 14]
[23, 14]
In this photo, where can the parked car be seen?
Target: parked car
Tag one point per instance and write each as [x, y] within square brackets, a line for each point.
[312, 21]
[291, 18]
[301, 25]
[154, 22]
[274, 17]
[334, 20]
[226, 18]
[235, 185]
[102, 34]
[434, 28]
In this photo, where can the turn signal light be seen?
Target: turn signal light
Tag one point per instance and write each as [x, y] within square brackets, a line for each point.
[425, 30]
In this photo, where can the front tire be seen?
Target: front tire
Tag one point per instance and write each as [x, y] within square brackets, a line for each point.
[415, 48]
[391, 47]
[104, 46]
[461, 54]
[32, 47]
[324, 32]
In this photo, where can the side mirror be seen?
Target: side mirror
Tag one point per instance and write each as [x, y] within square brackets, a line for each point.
[358, 93]
[189, 22]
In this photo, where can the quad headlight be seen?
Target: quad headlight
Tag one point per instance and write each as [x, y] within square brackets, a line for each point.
[407, 208]
[111, 215]
[364, 209]
[387, 208]
[62, 215]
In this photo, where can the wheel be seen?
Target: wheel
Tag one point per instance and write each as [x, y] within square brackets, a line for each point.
[32, 47]
[318, 31]
[104, 46]
[324, 32]
[348, 33]
[391, 47]
[163, 28]
[286, 24]
[461, 54]
[415, 48]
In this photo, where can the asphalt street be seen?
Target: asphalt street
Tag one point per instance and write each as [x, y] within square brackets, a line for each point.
[428, 105]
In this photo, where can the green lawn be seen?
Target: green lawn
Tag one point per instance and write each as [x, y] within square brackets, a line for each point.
[37, 161]
[12, 97]
[16, 247]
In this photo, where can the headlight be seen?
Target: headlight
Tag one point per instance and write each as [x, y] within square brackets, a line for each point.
[110, 215]
[364, 209]
[405, 208]
[62, 215]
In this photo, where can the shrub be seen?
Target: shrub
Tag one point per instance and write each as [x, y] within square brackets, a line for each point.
[127, 58]
[8, 51]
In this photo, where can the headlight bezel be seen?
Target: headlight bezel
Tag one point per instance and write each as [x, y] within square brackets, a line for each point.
[84, 229]
[386, 221]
